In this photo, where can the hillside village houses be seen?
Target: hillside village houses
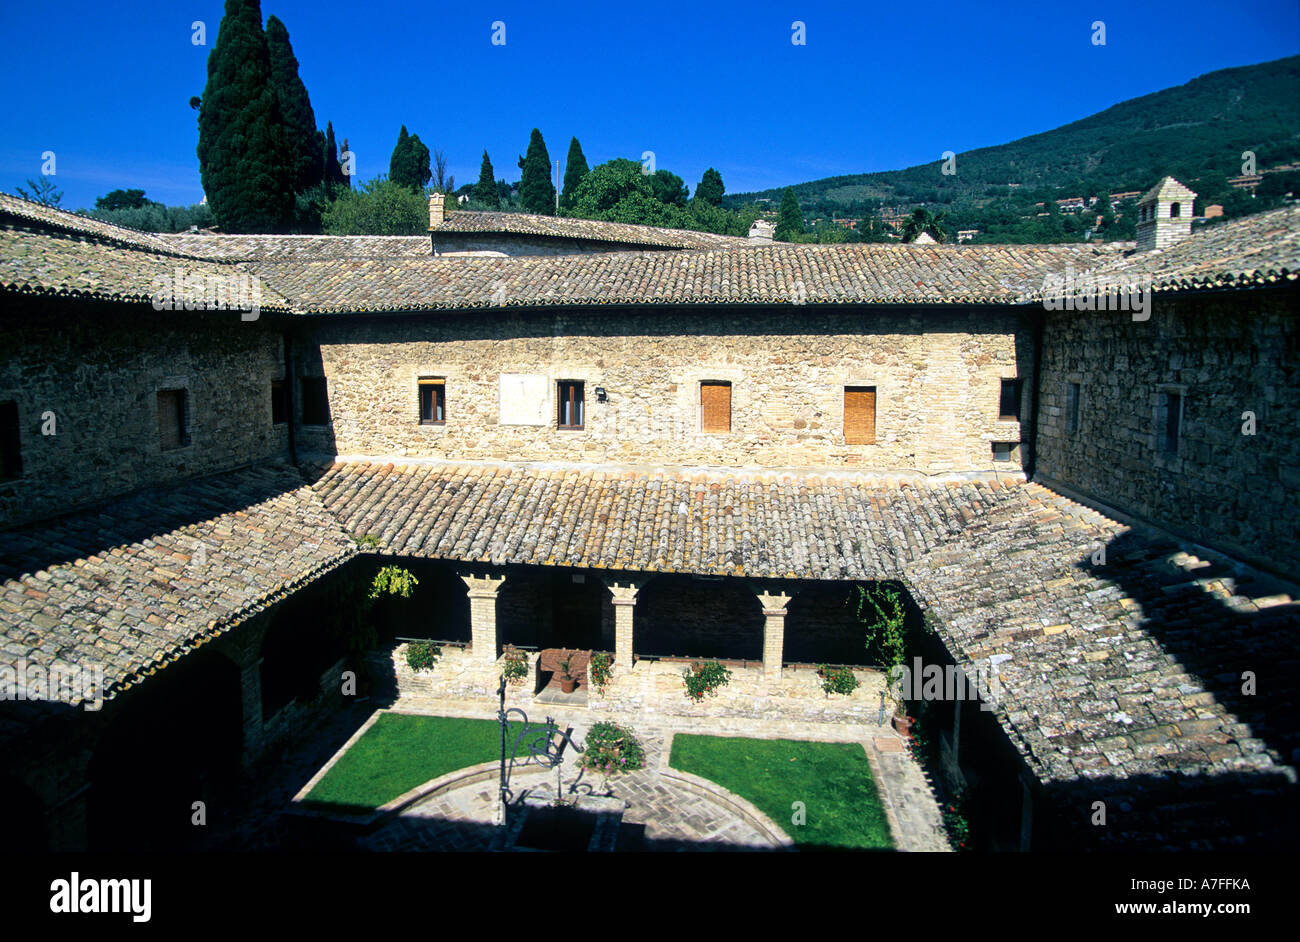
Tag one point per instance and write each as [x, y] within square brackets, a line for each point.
[663, 444]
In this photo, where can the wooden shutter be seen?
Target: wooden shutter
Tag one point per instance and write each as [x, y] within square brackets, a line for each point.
[171, 418]
[715, 407]
[860, 415]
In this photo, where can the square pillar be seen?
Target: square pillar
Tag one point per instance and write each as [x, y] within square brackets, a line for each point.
[774, 604]
[624, 600]
[483, 591]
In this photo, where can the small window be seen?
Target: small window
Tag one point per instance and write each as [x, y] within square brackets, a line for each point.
[171, 419]
[569, 393]
[1169, 418]
[11, 457]
[1009, 402]
[860, 415]
[1072, 408]
[715, 406]
[279, 402]
[433, 400]
[1006, 451]
[315, 401]
[1175, 210]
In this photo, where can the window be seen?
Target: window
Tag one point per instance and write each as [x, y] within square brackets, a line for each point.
[1175, 210]
[1006, 451]
[715, 406]
[11, 458]
[1009, 403]
[315, 401]
[171, 419]
[1071, 408]
[860, 415]
[433, 400]
[1169, 417]
[570, 400]
[279, 402]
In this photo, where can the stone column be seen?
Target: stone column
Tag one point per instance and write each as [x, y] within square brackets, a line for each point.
[624, 599]
[483, 591]
[774, 604]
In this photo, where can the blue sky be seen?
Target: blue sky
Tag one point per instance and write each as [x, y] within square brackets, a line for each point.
[876, 87]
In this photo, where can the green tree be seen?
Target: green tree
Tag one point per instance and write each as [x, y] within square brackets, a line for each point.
[380, 207]
[409, 164]
[536, 191]
[243, 160]
[789, 221]
[575, 170]
[486, 191]
[123, 199]
[43, 191]
[710, 189]
[668, 188]
[335, 178]
[301, 140]
[922, 220]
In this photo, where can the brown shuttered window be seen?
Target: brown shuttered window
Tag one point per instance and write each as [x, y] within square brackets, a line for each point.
[433, 400]
[860, 415]
[171, 418]
[715, 407]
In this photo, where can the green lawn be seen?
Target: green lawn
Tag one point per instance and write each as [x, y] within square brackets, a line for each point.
[400, 752]
[833, 780]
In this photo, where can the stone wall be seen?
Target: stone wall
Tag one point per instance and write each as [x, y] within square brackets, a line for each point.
[937, 374]
[98, 368]
[652, 691]
[1227, 354]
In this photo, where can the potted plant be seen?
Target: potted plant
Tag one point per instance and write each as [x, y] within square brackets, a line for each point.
[902, 722]
[568, 679]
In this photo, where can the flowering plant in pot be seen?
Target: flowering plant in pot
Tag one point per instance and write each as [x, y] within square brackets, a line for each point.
[568, 672]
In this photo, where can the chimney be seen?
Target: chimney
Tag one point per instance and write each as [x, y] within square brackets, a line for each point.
[1164, 215]
[436, 210]
[761, 231]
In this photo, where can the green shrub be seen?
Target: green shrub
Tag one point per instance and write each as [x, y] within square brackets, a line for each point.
[515, 666]
[705, 677]
[422, 655]
[837, 680]
[611, 749]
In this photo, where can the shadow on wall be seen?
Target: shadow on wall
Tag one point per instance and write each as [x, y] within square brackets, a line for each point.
[313, 417]
[689, 616]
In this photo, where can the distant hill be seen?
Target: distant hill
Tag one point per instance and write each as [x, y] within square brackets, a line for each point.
[1195, 132]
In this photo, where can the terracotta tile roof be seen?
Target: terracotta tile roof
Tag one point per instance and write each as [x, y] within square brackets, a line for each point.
[294, 248]
[48, 251]
[770, 274]
[64, 263]
[1116, 668]
[562, 227]
[789, 526]
[1262, 249]
[137, 582]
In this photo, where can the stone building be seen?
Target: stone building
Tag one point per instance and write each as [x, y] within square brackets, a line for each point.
[1077, 459]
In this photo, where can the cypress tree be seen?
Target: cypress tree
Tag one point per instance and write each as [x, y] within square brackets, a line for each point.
[242, 157]
[789, 223]
[399, 162]
[575, 168]
[295, 107]
[536, 191]
[417, 159]
[710, 189]
[334, 176]
[486, 190]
